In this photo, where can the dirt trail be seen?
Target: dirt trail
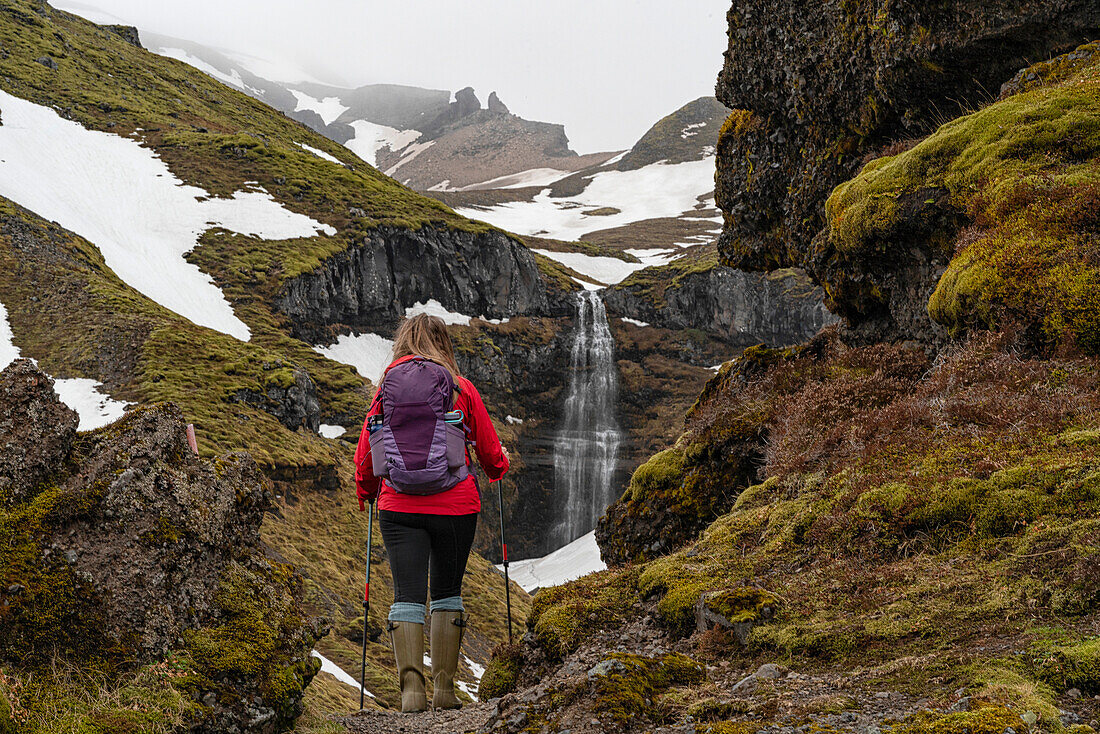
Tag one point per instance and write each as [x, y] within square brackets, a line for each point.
[470, 718]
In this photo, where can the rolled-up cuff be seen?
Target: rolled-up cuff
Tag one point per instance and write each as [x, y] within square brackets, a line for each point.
[407, 611]
[450, 604]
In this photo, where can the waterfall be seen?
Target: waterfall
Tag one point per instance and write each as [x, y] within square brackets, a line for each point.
[586, 447]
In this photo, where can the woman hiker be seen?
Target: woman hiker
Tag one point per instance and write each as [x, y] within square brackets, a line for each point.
[413, 458]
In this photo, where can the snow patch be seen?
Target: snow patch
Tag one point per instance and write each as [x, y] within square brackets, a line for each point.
[616, 159]
[654, 191]
[369, 354]
[607, 270]
[320, 153]
[692, 130]
[635, 321]
[94, 408]
[233, 78]
[410, 152]
[123, 198]
[531, 177]
[513, 421]
[370, 138]
[579, 558]
[435, 308]
[327, 666]
[329, 108]
[328, 431]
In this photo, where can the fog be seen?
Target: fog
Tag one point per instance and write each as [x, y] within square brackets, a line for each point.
[607, 69]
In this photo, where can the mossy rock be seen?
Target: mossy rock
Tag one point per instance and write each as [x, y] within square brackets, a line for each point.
[984, 720]
[502, 673]
[563, 617]
[630, 685]
[1023, 175]
[1076, 666]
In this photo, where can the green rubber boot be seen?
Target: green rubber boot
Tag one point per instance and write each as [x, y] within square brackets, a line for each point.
[447, 630]
[408, 649]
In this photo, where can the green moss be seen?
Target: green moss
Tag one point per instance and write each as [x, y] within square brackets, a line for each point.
[658, 477]
[633, 684]
[562, 617]
[254, 637]
[987, 720]
[746, 604]
[728, 727]
[502, 672]
[1024, 172]
[1073, 666]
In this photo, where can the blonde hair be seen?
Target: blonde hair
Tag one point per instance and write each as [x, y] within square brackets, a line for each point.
[425, 336]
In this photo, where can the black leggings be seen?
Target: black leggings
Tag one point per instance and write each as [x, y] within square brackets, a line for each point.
[415, 542]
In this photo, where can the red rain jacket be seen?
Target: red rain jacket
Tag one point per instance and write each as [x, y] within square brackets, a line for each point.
[463, 498]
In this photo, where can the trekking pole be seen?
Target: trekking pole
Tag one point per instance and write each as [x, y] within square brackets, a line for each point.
[504, 553]
[366, 604]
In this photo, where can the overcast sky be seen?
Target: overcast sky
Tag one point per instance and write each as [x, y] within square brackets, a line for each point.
[607, 69]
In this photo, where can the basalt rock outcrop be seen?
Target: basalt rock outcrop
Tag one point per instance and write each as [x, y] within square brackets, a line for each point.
[370, 286]
[743, 309]
[816, 87]
[122, 550]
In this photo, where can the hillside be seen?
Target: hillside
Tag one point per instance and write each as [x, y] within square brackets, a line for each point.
[894, 526]
[153, 223]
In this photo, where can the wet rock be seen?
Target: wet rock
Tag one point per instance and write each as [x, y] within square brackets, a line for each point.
[738, 307]
[370, 286]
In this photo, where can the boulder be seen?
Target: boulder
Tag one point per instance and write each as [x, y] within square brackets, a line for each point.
[123, 549]
[36, 431]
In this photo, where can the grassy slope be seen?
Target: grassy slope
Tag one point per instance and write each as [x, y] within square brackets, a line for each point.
[69, 311]
[930, 524]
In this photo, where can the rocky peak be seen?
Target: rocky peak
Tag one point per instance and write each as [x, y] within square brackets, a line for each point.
[496, 106]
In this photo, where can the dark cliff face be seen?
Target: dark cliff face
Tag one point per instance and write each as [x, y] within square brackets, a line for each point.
[739, 308]
[370, 286]
[818, 85]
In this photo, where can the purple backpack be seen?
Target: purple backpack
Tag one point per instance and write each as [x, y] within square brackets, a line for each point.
[418, 446]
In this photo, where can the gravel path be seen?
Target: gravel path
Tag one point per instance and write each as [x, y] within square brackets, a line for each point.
[474, 717]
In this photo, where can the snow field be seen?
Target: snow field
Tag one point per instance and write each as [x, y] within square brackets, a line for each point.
[123, 198]
[329, 108]
[607, 270]
[370, 138]
[657, 190]
[635, 321]
[531, 177]
[369, 354]
[579, 558]
[81, 394]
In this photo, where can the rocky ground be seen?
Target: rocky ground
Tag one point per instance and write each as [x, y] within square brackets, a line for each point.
[762, 697]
